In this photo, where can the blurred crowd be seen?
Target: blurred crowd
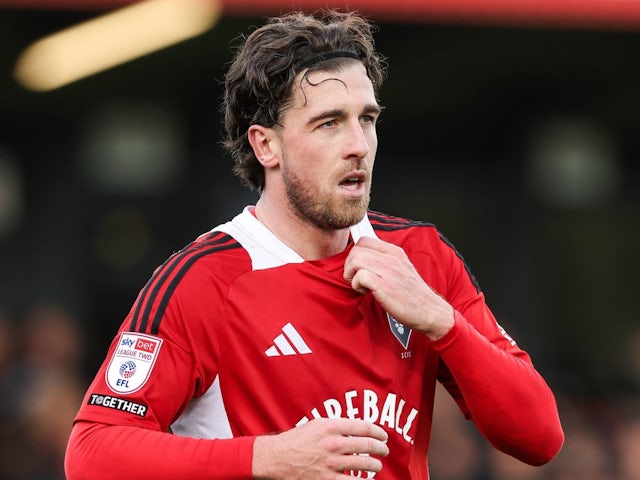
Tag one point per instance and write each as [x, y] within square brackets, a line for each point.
[602, 442]
[42, 383]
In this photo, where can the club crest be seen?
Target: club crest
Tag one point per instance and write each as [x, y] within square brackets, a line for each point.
[399, 331]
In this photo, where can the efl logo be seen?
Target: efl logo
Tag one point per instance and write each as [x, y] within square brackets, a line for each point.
[148, 346]
[132, 362]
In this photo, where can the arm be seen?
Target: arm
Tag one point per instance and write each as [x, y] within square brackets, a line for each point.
[119, 452]
[317, 449]
[507, 399]
[492, 380]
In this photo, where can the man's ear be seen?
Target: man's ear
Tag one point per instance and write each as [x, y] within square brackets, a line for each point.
[265, 144]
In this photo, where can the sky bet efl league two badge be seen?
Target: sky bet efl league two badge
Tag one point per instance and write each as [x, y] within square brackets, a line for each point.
[132, 362]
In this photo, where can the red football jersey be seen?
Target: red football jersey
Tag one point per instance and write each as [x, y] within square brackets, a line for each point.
[236, 336]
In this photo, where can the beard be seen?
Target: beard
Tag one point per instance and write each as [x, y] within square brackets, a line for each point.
[325, 211]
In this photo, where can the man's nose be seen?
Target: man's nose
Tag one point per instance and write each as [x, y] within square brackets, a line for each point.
[357, 145]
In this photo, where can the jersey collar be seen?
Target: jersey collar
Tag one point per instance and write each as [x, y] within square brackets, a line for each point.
[267, 250]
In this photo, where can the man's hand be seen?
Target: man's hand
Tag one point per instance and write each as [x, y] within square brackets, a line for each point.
[384, 269]
[322, 448]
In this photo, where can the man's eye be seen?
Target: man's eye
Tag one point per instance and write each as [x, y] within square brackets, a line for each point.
[329, 123]
[368, 119]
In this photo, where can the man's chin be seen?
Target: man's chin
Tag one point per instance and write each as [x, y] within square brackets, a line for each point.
[346, 216]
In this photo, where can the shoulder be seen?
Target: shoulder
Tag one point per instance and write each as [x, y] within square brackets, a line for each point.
[421, 239]
[211, 246]
[214, 254]
[390, 227]
[213, 257]
[202, 269]
[415, 237]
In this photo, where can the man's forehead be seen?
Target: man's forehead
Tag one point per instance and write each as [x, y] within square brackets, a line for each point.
[331, 85]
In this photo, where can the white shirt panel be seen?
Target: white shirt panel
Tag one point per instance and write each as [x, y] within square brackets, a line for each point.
[205, 416]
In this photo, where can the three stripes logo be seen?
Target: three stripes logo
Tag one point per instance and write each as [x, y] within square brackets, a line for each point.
[289, 342]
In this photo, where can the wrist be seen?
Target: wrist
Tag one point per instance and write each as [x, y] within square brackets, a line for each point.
[268, 462]
[441, 323]
[260, 461]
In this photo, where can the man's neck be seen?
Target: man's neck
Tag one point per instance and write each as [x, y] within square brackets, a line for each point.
[306, 239]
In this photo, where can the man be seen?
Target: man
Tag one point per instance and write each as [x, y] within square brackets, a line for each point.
[303, 338]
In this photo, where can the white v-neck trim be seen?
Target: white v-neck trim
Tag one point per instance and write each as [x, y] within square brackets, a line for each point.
[266, 249]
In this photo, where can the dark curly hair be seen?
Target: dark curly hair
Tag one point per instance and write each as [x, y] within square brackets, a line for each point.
[259, 82]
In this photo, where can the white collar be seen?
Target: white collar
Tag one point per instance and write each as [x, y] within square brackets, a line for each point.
[266, 249]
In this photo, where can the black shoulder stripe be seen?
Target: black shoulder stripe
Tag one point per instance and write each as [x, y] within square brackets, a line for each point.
[391, 228]
[145, 290]
[155, 326]
[380, 221]
[211, 246]
[169, 271]
[148, 295]
[387, 223]
[161, 274]
[472, 277]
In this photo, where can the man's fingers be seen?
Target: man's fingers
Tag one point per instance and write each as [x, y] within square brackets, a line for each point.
[361, 282]
[321, 448]
[375, 244]
[360, 428]
[372, 255]
[358, 258]
[356, 463]
[366, 446]
[361, 437]
[359, 454]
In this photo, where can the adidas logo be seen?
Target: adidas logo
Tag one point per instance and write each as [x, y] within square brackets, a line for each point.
[288, 343]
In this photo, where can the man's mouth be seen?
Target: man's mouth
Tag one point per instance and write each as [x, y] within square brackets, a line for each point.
[353, 181]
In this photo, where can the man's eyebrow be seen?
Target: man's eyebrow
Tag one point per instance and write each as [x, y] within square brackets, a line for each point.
[372, 108]
[337, 112]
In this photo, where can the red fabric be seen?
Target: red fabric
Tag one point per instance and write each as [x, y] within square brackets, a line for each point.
[502, 393]
[220, 326]
[107, 452]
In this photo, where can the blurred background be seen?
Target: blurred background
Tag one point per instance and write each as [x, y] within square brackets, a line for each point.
[513, 126]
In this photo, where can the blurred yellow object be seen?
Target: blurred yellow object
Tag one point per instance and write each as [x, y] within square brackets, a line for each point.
[112, 39]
